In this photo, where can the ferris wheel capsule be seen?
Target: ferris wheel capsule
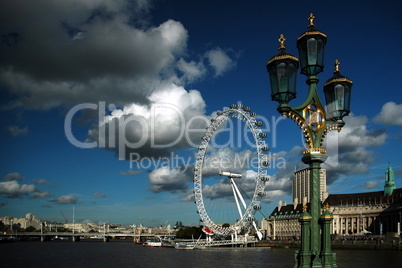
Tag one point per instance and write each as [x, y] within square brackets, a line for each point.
[258, 123]
[264, 178]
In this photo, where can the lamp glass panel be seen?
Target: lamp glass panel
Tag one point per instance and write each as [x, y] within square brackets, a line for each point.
[312, 51]
[283, 78]
[339, 97]
[320, 52]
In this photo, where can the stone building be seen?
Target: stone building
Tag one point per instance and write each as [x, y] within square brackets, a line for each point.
[363, 213]
[29, 220]
[354, 214]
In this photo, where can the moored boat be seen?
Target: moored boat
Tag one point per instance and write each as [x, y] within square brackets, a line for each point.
[184, 246]
[155, 242]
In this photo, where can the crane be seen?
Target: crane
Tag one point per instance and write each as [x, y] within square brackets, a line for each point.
[65, 219]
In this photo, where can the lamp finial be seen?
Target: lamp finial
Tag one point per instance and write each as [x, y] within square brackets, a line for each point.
[282, 40]
[337, 69]
[311, 19]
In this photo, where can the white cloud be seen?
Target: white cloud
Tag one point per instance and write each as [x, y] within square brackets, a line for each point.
[65, 199]
[40, 194]
[352, 153]
[170, 180]
[13, 176]
[391, 114]
[191, 70]
[175, 119]
[90, 51]
[370, 184]
[12, 189]
[98, 45]
[219, 61]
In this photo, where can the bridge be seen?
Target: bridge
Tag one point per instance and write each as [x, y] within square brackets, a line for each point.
[47, 236]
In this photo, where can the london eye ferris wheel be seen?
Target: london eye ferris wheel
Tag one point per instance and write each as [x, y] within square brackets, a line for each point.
[237, 185]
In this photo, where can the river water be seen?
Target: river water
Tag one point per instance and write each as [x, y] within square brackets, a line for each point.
[127, 254]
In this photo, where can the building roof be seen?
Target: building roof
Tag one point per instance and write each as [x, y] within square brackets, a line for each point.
[288, 211]
[368, 198]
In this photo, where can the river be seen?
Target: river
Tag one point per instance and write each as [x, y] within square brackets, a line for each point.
[127, 254]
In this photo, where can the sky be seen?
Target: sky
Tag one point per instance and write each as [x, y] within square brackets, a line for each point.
[104, 103]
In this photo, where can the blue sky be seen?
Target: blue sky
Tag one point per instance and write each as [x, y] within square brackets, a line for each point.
[77, 65]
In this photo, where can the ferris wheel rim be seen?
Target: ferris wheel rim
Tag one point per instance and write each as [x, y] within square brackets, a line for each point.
[243, 114]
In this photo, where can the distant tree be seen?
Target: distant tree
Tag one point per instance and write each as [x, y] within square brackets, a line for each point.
[190, 232]
[30, 229]
[17, 227]
[226, 225]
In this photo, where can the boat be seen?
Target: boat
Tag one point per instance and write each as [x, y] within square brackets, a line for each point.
[184, 246]
[155, 242]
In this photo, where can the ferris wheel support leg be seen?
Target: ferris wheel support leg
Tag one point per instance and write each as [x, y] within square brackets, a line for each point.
[239, 194]
[236, 198]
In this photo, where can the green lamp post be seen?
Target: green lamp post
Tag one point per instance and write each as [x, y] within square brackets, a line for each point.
[315, 122]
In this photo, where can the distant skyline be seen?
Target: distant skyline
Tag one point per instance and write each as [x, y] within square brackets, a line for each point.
[103, 103]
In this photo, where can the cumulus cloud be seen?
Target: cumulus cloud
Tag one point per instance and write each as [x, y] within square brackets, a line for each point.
[174, 120]
[370, 184]
[12, 189]
[14, 176]
[40, 194]
[123, 58]
[89, 51]
[351, 148]
[65, 199]
[168, 180]
[219, 60]
[390, 114]
[192, 70]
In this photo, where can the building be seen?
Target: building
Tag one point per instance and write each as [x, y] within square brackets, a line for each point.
[301, 186]
[362, 213]
[374, 213]
[29, 220]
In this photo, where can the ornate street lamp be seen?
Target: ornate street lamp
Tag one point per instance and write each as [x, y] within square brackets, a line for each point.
[315, 122]
[311, 46]
[337, 94]
[282, 69]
